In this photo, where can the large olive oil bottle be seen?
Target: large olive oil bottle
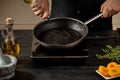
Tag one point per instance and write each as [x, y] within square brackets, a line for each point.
[10, 44]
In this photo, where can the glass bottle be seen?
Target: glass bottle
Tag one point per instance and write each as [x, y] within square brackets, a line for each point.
[10, 44]
[28, 1]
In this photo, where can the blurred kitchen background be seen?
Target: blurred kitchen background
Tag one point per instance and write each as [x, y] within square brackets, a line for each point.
[25, 18]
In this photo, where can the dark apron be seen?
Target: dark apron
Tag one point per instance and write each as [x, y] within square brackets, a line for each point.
[82, 10]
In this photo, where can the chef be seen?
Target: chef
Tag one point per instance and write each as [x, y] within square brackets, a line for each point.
[80, 9]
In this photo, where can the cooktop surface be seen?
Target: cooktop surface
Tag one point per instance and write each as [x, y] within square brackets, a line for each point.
[80, 51]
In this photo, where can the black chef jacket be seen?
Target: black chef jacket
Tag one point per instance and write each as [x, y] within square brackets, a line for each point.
[82, 10]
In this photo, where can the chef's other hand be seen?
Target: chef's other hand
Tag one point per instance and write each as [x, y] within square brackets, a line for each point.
[41, 7]
[110, 7]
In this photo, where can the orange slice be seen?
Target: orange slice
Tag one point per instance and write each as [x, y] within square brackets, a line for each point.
[103, 70]
[114, 71]
[111, 65]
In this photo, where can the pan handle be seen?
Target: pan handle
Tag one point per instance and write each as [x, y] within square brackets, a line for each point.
[93, 18]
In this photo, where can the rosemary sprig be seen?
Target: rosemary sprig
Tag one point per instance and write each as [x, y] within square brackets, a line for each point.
[112, 53]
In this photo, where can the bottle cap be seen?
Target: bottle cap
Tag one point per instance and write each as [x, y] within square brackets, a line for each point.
[9, 20]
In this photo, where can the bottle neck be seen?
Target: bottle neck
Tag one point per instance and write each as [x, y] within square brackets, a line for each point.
[10, 28]
[10, 31]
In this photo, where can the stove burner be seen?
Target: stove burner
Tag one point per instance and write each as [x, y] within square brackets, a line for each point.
[63, 53]
[76, 52]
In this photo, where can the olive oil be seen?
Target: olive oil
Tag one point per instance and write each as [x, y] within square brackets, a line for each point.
[10, 44]
[11, 48]
[28, 1]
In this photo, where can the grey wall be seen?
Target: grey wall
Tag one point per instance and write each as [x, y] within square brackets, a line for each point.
[19, 10]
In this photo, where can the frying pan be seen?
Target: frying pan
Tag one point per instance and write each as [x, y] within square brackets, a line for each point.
[61, 32]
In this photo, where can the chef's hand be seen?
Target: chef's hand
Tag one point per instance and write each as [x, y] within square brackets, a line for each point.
[110, 7]
[41, 7]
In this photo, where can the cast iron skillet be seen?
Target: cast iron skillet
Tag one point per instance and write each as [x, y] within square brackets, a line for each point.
[61, 32]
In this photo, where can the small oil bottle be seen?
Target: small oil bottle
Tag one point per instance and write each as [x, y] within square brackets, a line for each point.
[10, 45]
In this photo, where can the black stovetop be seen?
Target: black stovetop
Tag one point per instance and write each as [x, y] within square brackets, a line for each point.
[78, 52]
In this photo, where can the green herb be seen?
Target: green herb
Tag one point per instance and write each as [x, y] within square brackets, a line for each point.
[112, 53]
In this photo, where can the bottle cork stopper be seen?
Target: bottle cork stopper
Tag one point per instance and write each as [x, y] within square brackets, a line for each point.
[9, 20]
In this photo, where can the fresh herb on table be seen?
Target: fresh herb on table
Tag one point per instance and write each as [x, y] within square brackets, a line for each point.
[111, 53]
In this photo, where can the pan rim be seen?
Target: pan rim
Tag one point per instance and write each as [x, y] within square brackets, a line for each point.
[67, 45]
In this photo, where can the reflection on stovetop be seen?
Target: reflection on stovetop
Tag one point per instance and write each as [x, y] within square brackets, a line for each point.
[102, 35]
